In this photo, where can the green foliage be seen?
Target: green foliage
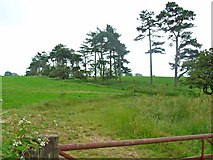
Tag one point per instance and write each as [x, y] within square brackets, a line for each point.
[62, 63]
[8, 73]
[148, 27]
[201, 71]
[102, 53]
[19, 139]
[177, 21]
[59, 71]
[105, 54]
[39, 65]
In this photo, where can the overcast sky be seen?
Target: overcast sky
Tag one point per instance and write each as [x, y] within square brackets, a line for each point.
[31, 26]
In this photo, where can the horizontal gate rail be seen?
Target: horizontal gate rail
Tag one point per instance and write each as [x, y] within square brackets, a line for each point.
[81, 146]
[94, 145]
[207, 156]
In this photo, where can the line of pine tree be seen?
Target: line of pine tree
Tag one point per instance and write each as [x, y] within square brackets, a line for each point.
[100, 55]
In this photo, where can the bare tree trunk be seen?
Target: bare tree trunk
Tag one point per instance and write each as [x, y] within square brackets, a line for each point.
[119, 69]
[150, 50]
[176, 63]
[95, 66]
[85, 67]
[110, 64]
[115, 69]
[102, 66]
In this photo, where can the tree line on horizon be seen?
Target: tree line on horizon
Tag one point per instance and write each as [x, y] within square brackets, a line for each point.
[102, 54]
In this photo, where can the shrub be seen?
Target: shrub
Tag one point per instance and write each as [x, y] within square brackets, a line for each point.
[21, 139]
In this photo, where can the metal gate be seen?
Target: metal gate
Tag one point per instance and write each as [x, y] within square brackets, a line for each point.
[85, 146]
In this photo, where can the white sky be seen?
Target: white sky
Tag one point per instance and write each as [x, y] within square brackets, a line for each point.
[31, 26]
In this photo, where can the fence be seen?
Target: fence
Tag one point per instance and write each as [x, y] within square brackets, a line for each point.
[83, 146]
[53, 149]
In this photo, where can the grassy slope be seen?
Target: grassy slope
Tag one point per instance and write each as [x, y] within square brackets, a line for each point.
[86, 112]
[19, 91]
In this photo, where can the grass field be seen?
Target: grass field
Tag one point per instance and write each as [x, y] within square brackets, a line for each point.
[91, 111]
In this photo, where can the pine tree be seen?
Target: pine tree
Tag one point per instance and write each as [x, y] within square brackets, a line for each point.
[148, 28]
[177, 21]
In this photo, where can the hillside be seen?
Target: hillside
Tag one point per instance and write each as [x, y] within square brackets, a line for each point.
[91, 111]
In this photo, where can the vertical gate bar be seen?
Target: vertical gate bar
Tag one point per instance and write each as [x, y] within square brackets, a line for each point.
[203, 147]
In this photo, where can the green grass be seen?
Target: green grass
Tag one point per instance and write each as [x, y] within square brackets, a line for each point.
[20, 91]
[161, 86]
[91, 112]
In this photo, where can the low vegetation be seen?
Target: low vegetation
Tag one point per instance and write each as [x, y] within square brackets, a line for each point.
[79, 111]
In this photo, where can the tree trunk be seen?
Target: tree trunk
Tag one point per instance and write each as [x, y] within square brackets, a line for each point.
[119, 69]
[102, 65]
[176, 64]
[150, 50]
[115, 69]
[110, 64]
[95, 66]
[85, 67]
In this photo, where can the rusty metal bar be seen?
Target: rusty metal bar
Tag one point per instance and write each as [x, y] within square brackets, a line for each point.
[207, 156]
[82, 146]
[203, 147]
[209, 141]
[67, 156]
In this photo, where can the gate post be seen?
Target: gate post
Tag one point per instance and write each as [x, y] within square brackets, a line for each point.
[49, 151]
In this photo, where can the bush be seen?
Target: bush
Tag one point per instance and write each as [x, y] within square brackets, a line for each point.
[21, 140]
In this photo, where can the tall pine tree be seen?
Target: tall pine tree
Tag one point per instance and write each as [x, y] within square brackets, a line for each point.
[177, 22]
